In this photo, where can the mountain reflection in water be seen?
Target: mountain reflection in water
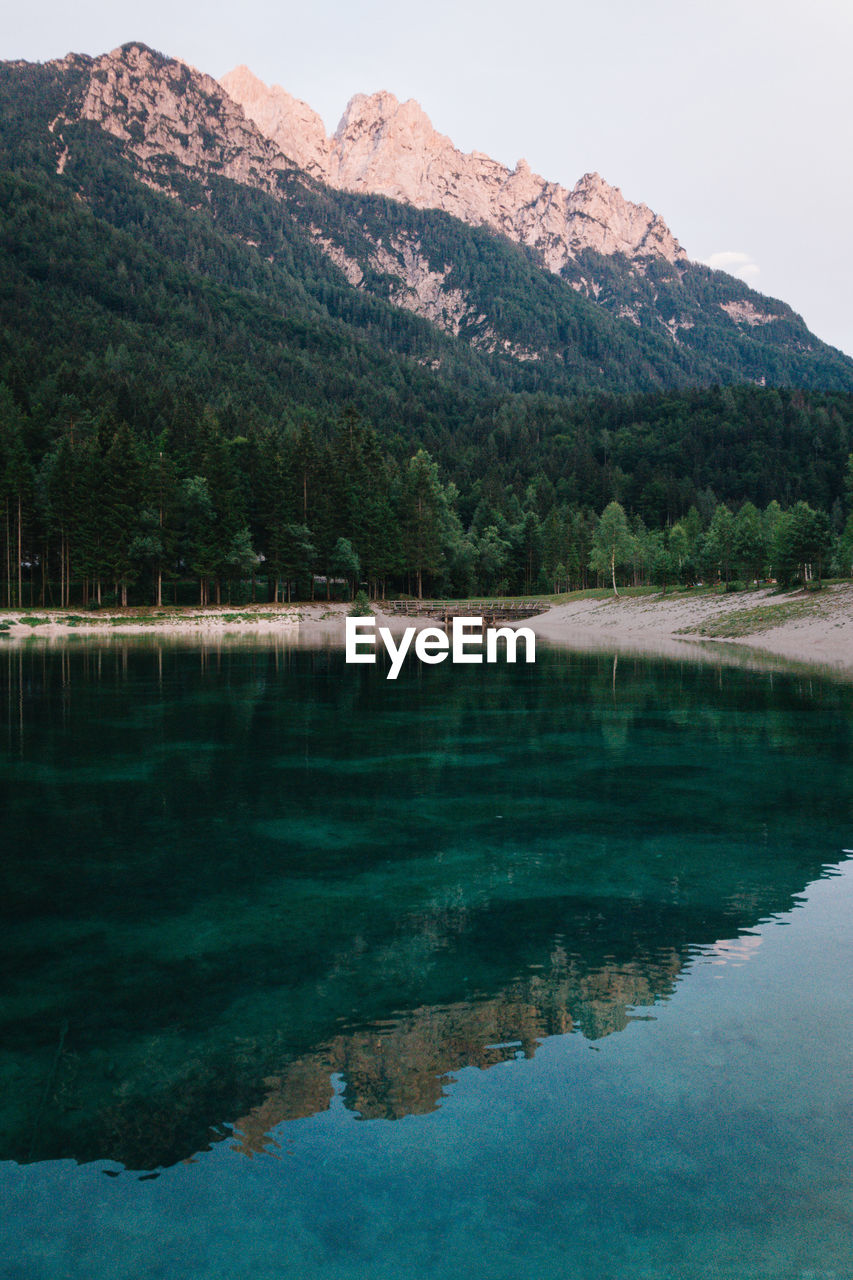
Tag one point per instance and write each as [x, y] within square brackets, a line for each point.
[233, 876]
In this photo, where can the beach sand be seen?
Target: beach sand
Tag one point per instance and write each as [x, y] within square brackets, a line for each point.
[812, 628]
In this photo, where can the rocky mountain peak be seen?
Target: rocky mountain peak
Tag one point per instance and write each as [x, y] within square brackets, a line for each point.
[366, 111]
[165, 111]
[170, 117]
[290, 123]
[390, 148]
[621, 226]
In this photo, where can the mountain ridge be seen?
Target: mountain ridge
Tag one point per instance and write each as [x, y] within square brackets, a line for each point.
[625, 319]
[387, 147]
[175, 288]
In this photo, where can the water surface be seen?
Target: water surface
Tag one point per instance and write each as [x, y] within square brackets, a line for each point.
[536, 970]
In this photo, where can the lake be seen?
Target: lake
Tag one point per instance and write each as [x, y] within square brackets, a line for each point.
[536, 971]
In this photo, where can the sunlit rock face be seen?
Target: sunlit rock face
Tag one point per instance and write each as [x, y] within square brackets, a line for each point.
[390, 148]
[163, 110]
[182, 131]
[295, 129]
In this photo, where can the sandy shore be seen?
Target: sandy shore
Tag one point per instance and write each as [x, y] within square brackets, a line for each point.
[212, 622]
[815, 628]
[809, 628]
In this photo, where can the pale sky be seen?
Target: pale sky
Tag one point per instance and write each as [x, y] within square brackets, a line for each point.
[733, 119]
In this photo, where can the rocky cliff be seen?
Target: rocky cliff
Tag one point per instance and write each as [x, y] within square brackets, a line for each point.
[296, 130]
[166, 112]
[618, 304]
[390, 148]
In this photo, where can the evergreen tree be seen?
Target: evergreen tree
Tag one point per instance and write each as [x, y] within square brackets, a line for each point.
[122, 497]
[784, 551]
[293, 556]
[529, 552]
[663, 564]
[554, 547]
[241, 559]
[61, 478]
[720, 541]
[844, 551]
[346, 564]
[749, 542]
[227, 494]
[492, 556]
[17, 482]
[201, 544]
[424, 508]
[92, 515]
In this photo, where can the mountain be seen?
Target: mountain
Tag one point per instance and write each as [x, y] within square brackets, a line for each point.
[181, 300]
[620, 254]
[391, 149]
[584, 288]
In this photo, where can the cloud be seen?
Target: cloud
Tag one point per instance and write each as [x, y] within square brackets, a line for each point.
[736, 264]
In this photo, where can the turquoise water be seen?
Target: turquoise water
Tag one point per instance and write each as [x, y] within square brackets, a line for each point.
[537, 971]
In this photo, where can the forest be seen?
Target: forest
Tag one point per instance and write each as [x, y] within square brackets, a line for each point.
[107, 515]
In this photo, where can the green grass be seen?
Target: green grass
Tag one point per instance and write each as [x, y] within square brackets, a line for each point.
[748, 622]
[256, 616]
[628, 593]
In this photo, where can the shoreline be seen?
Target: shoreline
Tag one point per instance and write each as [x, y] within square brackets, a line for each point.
[812, 629]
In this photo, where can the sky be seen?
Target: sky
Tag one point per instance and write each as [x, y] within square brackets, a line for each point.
[732, 119]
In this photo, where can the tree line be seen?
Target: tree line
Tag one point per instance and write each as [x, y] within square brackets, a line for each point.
[106, 514]
[747, 546]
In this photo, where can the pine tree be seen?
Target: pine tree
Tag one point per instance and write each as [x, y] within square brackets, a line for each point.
[16, 487]
[346, 564]
[422, 521]
[122, 498]
[201, 549]
[720, 541]
[750, 542]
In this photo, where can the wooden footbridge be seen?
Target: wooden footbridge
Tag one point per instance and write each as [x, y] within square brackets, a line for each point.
[491, 611]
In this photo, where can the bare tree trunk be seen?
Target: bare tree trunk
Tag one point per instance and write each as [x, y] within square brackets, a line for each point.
[20, 556]
[8, 559]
